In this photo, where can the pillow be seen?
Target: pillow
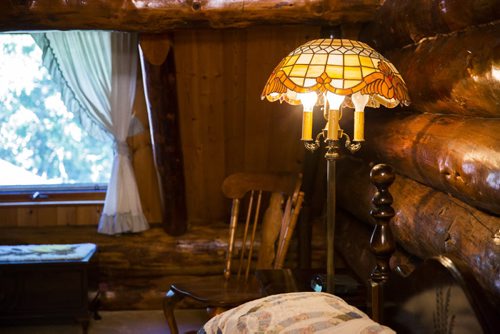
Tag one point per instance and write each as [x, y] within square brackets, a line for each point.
[296, 312]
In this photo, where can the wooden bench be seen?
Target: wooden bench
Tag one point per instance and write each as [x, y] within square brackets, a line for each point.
[45, 284]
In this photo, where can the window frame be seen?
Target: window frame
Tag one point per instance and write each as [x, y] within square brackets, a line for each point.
[40, 195]
[51, 194]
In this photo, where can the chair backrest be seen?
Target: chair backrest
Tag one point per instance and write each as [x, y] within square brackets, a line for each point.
[281, 191]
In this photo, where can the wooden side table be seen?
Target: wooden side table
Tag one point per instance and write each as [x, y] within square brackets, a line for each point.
[276, 281]
[44, 291]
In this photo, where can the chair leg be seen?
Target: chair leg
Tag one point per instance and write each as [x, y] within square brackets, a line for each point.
[169, 301]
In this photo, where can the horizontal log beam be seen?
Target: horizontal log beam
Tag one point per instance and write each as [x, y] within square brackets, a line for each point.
[453, 74]
[402, 22]
[457, 155]
[163, 15]
[428, 222]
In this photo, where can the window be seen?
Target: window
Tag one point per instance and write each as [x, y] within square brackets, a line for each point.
[42, 145]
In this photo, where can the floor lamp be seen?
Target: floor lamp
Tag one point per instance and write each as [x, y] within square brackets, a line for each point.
[335, 74]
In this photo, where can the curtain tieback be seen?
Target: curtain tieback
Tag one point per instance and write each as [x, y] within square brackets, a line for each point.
[121, 148]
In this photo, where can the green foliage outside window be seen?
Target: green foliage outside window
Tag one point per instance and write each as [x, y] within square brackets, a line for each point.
[37, 133]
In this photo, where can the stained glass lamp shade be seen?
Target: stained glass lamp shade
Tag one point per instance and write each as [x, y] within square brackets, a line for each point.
[325, 71]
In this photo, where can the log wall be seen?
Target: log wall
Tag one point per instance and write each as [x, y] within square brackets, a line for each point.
[456, 73]
[445, 145]
[160, 92]
[402, 22]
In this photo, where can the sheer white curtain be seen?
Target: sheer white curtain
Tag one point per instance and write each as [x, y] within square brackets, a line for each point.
[97, 72]
[122, 209]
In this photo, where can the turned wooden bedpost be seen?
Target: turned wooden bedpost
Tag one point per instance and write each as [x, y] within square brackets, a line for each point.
[382, 242]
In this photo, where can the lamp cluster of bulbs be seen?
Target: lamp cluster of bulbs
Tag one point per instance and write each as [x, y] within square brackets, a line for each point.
[332, 114]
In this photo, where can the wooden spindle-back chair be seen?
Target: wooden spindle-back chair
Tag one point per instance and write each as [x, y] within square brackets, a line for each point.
[272, 203]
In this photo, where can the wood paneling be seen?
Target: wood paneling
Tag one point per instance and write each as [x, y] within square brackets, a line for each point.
[26, 216]
[8, 216]
[235, 93]
[51, 215]
[66, 215]
[225, 127]
[199, 74]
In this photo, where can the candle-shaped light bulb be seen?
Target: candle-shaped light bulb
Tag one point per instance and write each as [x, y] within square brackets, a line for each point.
[334, 103]
[290, 94]
[308, 101]
[359, 100]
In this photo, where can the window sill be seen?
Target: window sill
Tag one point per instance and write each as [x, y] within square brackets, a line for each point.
[53, 199]
[52, 203]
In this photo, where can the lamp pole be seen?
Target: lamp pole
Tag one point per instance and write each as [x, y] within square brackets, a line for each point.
[330, 226]
[331, 156]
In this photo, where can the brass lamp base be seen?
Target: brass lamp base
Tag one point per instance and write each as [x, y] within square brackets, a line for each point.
[332, 146]
[332, 154]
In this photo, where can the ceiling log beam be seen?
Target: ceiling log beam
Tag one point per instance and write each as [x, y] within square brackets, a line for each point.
[156, 16]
